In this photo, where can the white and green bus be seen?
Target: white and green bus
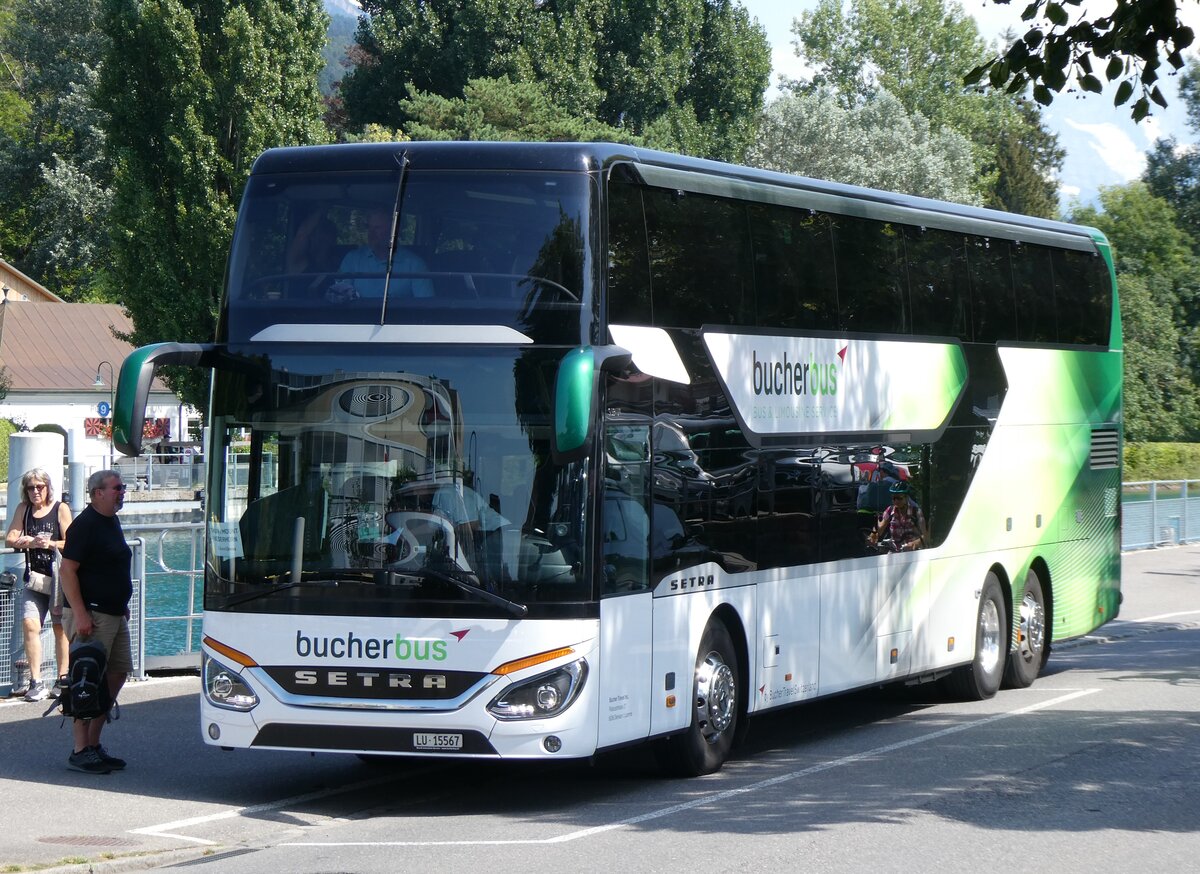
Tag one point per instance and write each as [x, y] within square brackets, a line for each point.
[535, 450]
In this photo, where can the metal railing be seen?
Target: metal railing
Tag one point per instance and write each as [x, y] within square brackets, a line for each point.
[1159, 513]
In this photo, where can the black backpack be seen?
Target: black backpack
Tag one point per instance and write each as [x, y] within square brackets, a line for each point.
[86, 695]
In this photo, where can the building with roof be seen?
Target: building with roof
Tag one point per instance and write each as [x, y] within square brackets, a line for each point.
[15, 285]
[61, 360]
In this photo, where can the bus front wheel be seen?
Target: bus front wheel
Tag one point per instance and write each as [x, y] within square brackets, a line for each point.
[704, 746]
[1028, 656]
[981, 678]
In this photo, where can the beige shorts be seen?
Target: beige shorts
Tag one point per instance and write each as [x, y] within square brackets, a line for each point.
[112, 633]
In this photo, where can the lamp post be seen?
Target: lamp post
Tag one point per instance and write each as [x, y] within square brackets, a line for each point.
[99, 383]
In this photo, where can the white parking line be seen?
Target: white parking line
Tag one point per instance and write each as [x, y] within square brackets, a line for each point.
[1160, 617]
[717, 796]
[166, 829]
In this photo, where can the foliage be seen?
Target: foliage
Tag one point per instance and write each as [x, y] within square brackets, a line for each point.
[1156, 275]
[1160, 461]
[874, 143]
[686, 74]
[213, 87]
[7, 428]
[1173, 169]
[14, 109]
[54, 174]
[1060, 48]
[917, 50]
[497, 109]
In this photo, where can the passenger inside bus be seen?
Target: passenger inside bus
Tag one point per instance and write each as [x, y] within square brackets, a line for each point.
[365, 266]
[312, 255]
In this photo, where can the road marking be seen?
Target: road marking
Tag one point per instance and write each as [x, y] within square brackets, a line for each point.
[717, 796]
[1163, 616]
[166, 829]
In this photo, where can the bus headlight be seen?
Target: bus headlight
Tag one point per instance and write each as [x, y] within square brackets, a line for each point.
[547, 694]
[225, 687]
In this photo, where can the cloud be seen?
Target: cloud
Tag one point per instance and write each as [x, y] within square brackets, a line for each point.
[1114, 147]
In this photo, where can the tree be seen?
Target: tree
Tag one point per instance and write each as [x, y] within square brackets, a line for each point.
[689, 74]
[195, 91]
[497, 109]
[54, 174]
[1173, 171]
[1026, 158]
[1131, 42]
[917, 50]
[1156, 272]
[875, 143]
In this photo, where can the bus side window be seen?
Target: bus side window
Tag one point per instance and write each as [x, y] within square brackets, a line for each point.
[872, 286]
[1033, 284]
[992, 306]
[700, 268]
[624, 521]
[937, 275]
[1083, 293]
[794, 278]
[628, 258]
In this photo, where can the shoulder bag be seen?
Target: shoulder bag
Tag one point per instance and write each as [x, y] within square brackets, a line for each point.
[43, 584]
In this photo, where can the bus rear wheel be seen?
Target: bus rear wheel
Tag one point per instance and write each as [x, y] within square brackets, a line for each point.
[981, 679]
[704, 746]
[1029, 654]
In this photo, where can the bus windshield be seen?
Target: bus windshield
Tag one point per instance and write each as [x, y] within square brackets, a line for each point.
[465, 247]
[358, 481]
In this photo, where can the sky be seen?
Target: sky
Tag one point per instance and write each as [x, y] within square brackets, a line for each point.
[1104, 146]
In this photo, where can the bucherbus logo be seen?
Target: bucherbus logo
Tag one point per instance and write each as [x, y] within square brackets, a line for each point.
[796, 378]
[351, 646]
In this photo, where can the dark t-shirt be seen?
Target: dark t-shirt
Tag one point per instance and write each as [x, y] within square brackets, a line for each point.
[97, 542]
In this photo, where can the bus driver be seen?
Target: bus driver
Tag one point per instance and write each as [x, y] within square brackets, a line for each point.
[370, 260]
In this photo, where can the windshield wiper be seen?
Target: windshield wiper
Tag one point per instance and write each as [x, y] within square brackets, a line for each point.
[293, 584]
[516, 609]
[402, 160]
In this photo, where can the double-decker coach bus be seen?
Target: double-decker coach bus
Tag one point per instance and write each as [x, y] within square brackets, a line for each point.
[534, 450]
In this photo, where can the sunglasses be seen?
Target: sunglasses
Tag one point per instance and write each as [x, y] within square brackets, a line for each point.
[35, 488]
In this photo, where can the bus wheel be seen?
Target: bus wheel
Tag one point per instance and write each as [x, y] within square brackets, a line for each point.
[704, 746]
[1028, 655]
[981, 678]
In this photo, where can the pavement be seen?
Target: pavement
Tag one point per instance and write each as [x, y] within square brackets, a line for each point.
[64, 821]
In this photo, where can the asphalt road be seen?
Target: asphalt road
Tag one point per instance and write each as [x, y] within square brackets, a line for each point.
[1091, 769]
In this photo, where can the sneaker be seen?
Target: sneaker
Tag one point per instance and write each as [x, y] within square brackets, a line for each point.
[37, 691]
[112, 761]
[59, 684]
[88, 761]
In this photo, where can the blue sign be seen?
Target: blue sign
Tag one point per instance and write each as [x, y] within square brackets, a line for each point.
[103, 409]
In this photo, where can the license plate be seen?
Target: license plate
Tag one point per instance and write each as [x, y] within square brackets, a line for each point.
[437, 741]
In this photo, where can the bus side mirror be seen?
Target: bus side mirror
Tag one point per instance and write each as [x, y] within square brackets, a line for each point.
[577, 397]
[133, 386]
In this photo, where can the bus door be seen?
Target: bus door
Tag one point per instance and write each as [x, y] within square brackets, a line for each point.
[626, 606]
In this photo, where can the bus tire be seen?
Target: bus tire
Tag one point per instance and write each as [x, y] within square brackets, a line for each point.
[981, 678]
[704, 746]
[1029, 649]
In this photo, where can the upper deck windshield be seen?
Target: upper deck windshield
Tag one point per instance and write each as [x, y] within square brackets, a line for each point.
[495, 248]
[387, 480]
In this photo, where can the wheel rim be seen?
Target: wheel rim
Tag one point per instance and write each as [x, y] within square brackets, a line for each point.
[716, 697]
[1032, 628]
[989, 636]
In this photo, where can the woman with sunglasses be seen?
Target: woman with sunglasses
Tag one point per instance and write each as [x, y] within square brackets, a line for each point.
[39, 526]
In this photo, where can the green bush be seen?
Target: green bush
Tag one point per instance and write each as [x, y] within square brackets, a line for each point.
[1161, 461]
[7, 427]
